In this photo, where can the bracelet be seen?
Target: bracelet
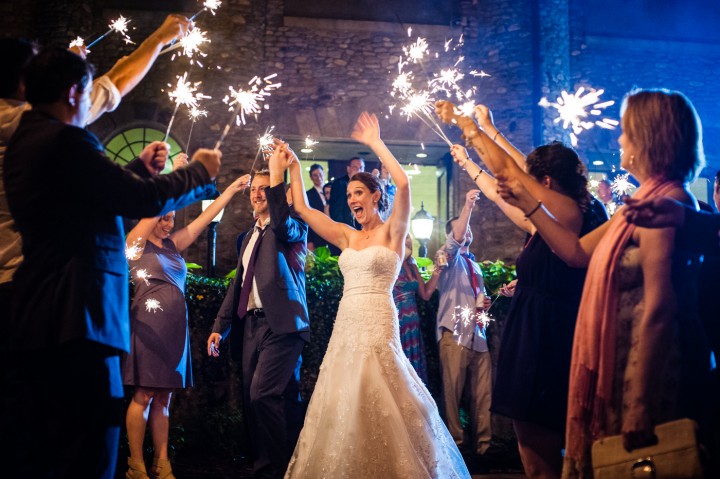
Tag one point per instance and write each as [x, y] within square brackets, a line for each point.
[480, 172]
[496, 135]
[537, 207]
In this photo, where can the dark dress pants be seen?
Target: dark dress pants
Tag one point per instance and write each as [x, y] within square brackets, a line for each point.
[271, 378]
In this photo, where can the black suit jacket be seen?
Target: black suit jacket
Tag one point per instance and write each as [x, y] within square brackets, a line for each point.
[699, 234]
[67, 199]
[339, 209]
[316, 202]
[279, 274]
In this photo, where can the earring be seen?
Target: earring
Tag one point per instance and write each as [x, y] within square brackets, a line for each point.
[632, 160]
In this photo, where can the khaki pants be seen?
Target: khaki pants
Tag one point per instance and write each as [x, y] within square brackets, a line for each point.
[461, 368]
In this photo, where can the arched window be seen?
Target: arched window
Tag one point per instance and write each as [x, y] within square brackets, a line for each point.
[125, 145]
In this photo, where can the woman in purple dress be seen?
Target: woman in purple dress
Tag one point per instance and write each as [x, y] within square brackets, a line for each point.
[159, 358]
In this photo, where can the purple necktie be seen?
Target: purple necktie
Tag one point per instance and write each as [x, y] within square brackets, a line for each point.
[249, 275]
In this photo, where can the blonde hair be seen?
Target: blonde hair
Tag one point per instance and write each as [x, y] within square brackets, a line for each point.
[665, 128]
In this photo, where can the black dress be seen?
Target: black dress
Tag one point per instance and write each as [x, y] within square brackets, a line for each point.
[531, 381]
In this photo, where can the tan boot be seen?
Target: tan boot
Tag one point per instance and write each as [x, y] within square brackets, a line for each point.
[136, 469]
[161, 469]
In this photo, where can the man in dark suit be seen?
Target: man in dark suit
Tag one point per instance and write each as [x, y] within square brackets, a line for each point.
[316, 198]
[265, 315]
[62, 398]
[339, 209]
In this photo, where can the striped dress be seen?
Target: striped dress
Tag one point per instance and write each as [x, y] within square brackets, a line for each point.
[410, 335]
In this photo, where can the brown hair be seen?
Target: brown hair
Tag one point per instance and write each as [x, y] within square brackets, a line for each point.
[665, 128]
[372, 184]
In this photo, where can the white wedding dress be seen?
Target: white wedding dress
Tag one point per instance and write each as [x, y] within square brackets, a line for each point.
[370, 415]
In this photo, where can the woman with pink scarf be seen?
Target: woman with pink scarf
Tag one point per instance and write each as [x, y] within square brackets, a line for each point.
[640, 357]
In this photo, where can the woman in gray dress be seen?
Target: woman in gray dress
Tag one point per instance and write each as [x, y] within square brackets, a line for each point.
[159, 358]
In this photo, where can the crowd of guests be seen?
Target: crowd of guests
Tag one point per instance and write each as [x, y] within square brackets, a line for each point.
[608, 331]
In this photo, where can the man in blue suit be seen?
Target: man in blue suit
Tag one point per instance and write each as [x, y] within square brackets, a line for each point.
[265, 316]
[62, 402]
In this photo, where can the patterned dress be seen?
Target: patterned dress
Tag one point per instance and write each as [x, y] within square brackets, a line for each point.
[404, 293]
[159, 338]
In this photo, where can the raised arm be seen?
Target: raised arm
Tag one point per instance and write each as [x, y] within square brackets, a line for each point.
[129, 70]
[564, 208]
[282, 159]
[187, 235]
[367, 132]
[488, 186]
[484, 118]
[576, 252]
[137, 237]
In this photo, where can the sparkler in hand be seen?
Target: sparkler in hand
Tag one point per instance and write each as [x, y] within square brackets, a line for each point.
[246, 102]
[573, 111]
[185, 93]
[194, 113]
[120, 25]
[190, 45]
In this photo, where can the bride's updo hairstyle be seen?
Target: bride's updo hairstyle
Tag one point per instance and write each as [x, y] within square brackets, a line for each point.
[372, 183]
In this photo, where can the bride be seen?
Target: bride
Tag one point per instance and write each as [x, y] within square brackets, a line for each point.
[370, 414]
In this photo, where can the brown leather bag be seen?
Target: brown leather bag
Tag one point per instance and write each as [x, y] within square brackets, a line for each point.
[675, 456]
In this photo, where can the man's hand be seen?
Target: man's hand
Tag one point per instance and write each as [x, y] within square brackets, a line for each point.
[483, 115]
[213, 345]
[173, 28]
[210, 159]
[471, 197]
[154, 156]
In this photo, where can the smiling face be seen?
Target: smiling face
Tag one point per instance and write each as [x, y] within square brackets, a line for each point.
[257, 196]
[362, 202]
[318, 177]
[164, 226]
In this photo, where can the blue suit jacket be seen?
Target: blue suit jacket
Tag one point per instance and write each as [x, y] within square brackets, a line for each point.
[279, 274]
[67, 199]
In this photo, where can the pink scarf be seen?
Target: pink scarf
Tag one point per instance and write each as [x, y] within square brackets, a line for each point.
[593, 356]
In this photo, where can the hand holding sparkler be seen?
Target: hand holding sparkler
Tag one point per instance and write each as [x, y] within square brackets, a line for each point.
[514, 193]
[180, 161]
[173, 28]
[210, 159]
[77, 47]
[508, 290]
[154, 156]
[484, 119]
[450, 114]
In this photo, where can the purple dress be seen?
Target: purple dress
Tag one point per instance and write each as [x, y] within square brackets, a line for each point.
[159, 337]
[410, 334]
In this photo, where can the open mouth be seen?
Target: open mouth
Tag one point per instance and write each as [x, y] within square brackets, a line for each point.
[357, 210]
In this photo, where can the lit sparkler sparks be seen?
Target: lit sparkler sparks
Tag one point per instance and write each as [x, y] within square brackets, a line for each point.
[465, 316]
[78, 42]
[309, 142]
[265, 141]
[194, 114]
[133, 251]
[245, 102]
[120, 25]
[622, 186]
[573, 111]
[416, 51]
[152, 305]
[143, 275]
[186, 94]
[190, 45]
[208, 6]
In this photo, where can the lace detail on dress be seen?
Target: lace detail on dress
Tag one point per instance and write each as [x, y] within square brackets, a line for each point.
[370, 414]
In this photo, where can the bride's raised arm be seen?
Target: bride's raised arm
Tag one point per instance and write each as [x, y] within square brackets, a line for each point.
[367, 132]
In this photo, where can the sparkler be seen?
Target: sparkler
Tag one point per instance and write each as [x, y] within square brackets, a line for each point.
[152, 305]
[573, 111]
[78, 42]
[143, 275]
[185, 93]
[194, 113]
[133, 251]
[120, 25]
[190, 45]
[208, 6]
[309, 142]
[622, 186]
[245, 102]
[467, 315]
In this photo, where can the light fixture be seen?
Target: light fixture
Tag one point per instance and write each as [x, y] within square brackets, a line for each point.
[306, 150]
[211, 238]
[422, 227]
[421, 155]
[598, 162]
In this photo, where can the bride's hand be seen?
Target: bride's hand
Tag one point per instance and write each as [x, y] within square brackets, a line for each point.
[367, 129]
